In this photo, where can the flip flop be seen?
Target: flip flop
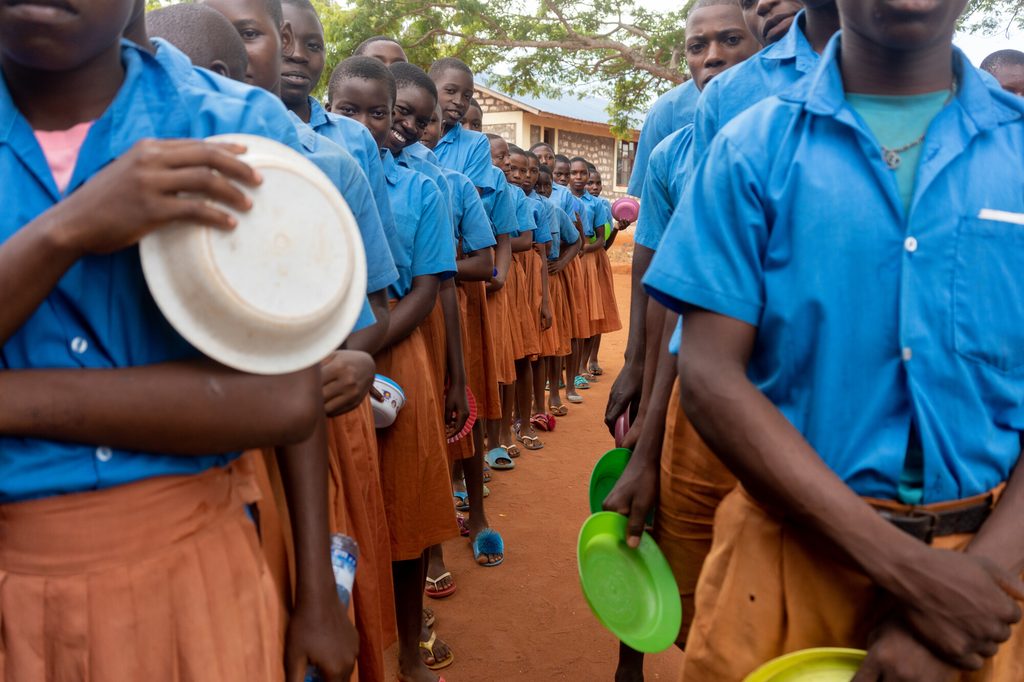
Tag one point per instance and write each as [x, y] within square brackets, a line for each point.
[529, 442]
[581, 383]
[463, 525]
[429, 618]
[559, 410]
[591, 377]
[436, 593]
[513, 450]
[488, 541]
[575, 399]
[463, 500]
[487, 474]
[544, 422]
[499, 459]
[596, 370]
[429, 647]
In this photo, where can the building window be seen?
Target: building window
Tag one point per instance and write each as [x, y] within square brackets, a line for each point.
[534, 134]
[624, 168]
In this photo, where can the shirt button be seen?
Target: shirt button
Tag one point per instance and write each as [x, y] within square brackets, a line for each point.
[104, 454]
[79, 345]
[907, 354]
[910, 244]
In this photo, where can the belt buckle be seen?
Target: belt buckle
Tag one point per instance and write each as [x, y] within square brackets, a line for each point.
[912, 520]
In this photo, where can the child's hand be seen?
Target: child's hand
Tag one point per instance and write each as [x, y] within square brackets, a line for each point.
[623, 225]
[320, 634]
[347, 376]
[156, 183]
[456, 409]
[495, 285]
[553, 268]
[545, 316]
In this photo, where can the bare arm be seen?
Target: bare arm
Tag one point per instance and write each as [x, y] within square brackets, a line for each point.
[369, 340]
[502, 261]
[545, 295]
[636, 491]
[318, 631]
[412, 309]
[183, 408]
[476, 266]
[524, 242]
[456, 406]
[565, 256]
[596, 246]
[954, 602]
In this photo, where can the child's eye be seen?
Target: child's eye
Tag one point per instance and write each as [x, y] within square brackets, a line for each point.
[379, 114]
[733, 40]
[695, 48]
[315, 47]
[249, 34]
[344, 110]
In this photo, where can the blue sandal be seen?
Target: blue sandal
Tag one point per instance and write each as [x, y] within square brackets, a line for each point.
[499, 459]
[463, 500]
[488, 541]
[581, 383]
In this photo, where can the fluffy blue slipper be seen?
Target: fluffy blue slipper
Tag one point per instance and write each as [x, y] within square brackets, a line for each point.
[488, 541]
[498, 459]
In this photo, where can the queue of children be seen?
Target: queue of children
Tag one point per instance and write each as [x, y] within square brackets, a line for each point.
[824, 225]
[470, 309]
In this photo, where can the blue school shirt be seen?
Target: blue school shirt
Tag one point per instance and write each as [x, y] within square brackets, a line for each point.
[767, 73]
[354, 138]
[566, 200]
[868, 317]
[100, 314]
[472, 226]
[663, 188]
[343, 171]
[419, 158]
[541, 235]
[525, 220]
[380, 268]
[499, 205]
[670, 112]
[424, 226]
[562, 228]
[469, 153]
[591, 214]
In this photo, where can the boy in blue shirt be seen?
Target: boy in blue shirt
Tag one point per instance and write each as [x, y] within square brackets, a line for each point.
[106, 368]
[1007, 67]
[459, 148]
[832, 433]
[382, 48]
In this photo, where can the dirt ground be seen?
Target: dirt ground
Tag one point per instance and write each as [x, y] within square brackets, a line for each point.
[527, 619]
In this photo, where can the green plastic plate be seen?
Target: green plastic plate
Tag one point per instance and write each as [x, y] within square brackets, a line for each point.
[631, 591]
[606, 474]
[826, 664]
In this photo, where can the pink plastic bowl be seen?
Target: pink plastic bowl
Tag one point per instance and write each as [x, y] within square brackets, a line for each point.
[626, 208]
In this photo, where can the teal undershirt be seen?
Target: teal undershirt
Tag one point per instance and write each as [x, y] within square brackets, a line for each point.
[897, 121]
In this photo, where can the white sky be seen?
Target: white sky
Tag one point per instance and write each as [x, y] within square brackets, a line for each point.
[977, 47]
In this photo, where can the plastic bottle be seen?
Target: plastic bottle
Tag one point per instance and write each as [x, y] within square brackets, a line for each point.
[344, 558]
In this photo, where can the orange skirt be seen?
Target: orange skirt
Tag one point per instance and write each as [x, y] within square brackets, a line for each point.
[609, 321]
[357, 509]
[528, 311]
[556, 339]
[479, 348]
[436, 339]
[592, 290]
[413, 454]
[514, 303]
[578, 299]
[162, 579]
[501, 333]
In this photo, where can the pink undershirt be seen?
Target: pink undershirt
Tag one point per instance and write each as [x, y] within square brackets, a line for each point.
[61, 147]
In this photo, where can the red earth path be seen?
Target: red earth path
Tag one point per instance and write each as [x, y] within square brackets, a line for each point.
[527, 619]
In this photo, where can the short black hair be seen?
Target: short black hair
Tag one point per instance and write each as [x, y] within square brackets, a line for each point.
[361, 48]
[530, 155]
[410, 74]
[493, 136]
[562, 158]
[579, 159]
[701, 4]
[301, 4]
[592, 168]
[544, 169]
[445, 63]
[996, 60]
[366, 68]
[535, 145]
[202, 33]
[474, 103]
[275, 11]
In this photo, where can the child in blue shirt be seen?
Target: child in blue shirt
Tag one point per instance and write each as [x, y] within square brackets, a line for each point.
[137, 448]
[459, 148]
[822, 430]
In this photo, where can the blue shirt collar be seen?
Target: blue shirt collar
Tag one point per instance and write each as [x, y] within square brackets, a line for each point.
[822, 92]
[390, 166]
[793, 46]
[317, 114]
[452, 136]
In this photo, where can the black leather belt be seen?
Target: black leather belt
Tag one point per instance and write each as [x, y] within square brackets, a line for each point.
[927, 525]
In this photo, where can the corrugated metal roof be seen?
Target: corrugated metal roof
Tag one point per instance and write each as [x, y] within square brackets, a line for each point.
[589, 109]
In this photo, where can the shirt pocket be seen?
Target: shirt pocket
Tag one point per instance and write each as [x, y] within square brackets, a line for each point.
[988, 290]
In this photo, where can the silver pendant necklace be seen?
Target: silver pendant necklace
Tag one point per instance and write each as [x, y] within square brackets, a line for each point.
[892, 156]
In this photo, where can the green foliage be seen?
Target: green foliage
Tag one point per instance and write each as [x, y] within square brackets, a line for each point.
[614, 49]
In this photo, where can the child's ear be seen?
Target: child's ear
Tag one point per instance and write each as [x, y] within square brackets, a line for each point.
[287, 38]
[220, 68]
